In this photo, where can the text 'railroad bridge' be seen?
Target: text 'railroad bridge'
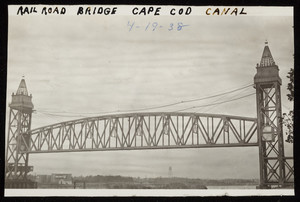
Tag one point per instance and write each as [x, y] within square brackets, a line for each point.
[156, 130]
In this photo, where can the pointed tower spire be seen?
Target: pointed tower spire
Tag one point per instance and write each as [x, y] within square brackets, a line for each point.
[21, 100]
[267, 59]
[267, 70]
[22, 90]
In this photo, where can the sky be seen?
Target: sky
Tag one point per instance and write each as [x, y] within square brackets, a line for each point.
[80, 66]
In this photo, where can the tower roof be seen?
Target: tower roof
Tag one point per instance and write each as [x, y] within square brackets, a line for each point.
[267, 70]
[267, 59]
[22, 90]
[21, 100]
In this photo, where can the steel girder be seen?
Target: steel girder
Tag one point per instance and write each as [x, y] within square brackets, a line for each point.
[275, 168]
[143, 131]
[16, 165]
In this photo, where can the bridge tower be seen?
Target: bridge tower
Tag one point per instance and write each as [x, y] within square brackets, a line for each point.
[270, 136]
[16, 162]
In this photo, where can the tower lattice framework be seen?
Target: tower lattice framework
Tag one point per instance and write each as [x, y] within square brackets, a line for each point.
[274, 168]
[21, 107]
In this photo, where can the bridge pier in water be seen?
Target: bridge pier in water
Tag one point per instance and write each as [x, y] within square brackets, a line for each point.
[156, 130]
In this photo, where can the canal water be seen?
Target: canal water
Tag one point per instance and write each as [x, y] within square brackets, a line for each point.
[233, 187]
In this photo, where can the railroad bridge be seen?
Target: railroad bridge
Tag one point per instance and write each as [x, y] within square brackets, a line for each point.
[157, 130]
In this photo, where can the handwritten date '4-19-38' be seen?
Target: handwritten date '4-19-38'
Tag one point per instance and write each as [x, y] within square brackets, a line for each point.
[155, 26]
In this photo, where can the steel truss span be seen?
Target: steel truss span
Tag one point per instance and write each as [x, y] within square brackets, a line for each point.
[142, 131]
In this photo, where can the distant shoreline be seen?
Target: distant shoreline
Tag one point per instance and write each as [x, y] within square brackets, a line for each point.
[122, 182]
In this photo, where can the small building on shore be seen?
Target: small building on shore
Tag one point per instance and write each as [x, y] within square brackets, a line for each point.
[55, 178]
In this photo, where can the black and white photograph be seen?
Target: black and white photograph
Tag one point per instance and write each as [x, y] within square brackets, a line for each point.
[122, 100]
